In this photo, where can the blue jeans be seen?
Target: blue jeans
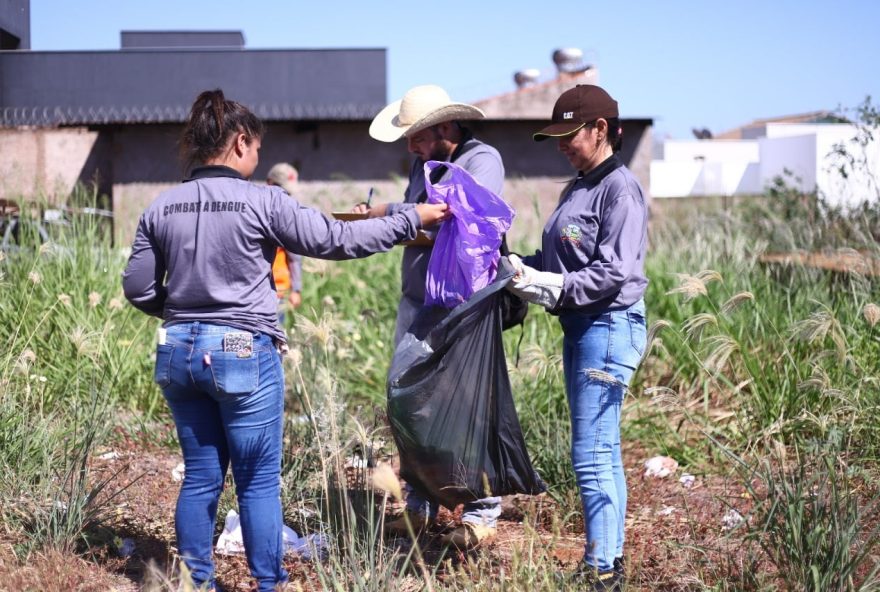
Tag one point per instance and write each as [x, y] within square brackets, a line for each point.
[599, 356]
[226, 409]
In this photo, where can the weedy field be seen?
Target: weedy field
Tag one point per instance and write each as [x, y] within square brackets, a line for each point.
[762, 380]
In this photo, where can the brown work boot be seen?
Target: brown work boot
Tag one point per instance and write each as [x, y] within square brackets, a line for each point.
[418, 521]
[469, 536]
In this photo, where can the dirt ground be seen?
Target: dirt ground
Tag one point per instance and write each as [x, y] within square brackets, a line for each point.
[675, 533]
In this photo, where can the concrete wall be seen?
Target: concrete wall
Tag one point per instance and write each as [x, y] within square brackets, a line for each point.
[805, 155]
[338, 163]
[533, 199]
[718, 150]
[794, 154]
[696, 177]
[862, 181]
[44, 162]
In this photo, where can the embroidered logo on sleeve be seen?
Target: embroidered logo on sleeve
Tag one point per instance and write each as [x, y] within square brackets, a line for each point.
[571, 234]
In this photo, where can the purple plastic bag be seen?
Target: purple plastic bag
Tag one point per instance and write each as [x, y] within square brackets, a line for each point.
[465, 255]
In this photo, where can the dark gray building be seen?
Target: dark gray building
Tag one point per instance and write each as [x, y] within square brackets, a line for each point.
[114, 117]
[15, 24]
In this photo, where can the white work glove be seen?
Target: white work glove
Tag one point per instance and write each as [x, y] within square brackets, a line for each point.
[537, 287]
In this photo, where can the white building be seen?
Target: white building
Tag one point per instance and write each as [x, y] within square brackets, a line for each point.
[747, 160]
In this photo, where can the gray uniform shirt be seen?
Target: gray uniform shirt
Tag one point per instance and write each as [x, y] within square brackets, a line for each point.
[597, 238]
[204, 249]
[484, 164]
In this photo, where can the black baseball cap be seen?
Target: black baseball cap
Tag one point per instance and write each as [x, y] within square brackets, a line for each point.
[577, 107]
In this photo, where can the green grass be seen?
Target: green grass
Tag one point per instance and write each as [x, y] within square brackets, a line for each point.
[745, 358]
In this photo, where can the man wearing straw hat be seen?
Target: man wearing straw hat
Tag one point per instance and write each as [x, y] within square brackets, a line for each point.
[429, 121]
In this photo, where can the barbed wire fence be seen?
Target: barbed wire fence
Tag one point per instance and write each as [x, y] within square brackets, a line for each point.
[48, 116]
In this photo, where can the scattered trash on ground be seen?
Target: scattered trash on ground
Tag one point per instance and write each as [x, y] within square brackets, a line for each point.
[178, 472]
[660, 466]
[112, 455]
[666, 511]
[731, 519]
[307, 547]
[687, 480]
[356, 462]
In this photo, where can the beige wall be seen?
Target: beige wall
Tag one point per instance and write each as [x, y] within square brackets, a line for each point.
[43, 162]
[338, 161]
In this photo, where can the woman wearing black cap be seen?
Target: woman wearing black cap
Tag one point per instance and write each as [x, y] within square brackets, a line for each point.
[590, 272]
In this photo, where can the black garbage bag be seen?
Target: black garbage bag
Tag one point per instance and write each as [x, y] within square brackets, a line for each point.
[451, 408]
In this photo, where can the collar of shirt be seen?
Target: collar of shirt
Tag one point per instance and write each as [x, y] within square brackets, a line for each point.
[608, 166]
[213, 170]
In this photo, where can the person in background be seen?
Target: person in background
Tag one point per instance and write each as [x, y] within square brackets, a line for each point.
[287, 268]
[201, 261]
[590, 273]
[430, 122]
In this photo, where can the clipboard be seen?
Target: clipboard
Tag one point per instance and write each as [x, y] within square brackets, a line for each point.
[421, 239]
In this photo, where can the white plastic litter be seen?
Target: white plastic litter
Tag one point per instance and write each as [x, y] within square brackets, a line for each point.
[731, 519]
[356, 462]
[666, 511]
[687, 480]
[660, 466]
[112, 455]
[178, 472]
[231, 543]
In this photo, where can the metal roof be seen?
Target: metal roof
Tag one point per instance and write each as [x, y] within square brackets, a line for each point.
[158, 86]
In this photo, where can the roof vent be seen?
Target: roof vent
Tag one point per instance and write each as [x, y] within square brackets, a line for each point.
[570, 60]
[527, 77]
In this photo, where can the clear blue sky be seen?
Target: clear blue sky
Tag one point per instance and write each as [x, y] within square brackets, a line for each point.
[687, 64]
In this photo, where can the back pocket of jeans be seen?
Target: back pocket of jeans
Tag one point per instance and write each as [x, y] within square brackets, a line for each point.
[234, 375]
[638, 331]
[162, 374]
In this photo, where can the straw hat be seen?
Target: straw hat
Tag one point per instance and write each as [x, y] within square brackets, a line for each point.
[421, 107]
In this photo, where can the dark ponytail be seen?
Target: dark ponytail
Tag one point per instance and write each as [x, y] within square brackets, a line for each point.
[615, 133]
[212, 121]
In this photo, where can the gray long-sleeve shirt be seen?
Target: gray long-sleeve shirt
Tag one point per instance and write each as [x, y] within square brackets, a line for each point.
[203, 250]
[484, 164]
[597, 238]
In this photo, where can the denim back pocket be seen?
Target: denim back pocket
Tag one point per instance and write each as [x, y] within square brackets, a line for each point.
[234, 375]
[162, 374]
[638, 330]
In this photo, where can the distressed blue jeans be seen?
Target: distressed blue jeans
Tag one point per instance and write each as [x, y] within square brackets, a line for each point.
[227, 409]
[599, 356]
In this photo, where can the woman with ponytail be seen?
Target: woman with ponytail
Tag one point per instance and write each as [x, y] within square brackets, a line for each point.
[590, 272]
[202, 262]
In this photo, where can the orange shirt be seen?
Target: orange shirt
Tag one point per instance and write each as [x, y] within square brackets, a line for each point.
[281, 273]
